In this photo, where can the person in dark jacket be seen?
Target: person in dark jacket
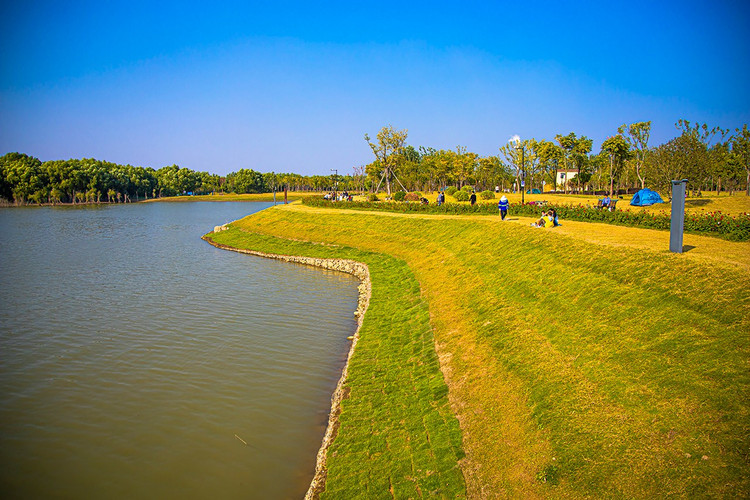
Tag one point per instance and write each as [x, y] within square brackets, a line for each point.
[473, 198]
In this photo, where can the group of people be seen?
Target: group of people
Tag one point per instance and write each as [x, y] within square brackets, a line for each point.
[548, 219]
[343, 196]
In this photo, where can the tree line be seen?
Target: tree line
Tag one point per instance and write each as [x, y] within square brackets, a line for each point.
[712, 159]
[25, 179]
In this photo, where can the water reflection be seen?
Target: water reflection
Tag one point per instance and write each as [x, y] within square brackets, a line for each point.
[134, 355]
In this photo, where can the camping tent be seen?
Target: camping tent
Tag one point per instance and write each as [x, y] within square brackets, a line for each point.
[645, 197]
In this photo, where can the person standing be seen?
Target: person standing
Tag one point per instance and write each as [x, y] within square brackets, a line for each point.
[503, 207]
[473, 198]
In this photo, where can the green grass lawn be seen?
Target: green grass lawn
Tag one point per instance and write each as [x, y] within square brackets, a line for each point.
[397, 433]
[574, 369]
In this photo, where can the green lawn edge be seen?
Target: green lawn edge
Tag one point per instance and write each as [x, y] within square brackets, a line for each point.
[397, 436]
[631, 365]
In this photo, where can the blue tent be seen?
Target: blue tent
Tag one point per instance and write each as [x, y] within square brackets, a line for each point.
[645, 197]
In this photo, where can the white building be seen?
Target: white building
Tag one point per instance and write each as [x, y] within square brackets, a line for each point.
[564, 177]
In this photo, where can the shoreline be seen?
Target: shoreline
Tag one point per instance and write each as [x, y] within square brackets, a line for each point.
[360, 271]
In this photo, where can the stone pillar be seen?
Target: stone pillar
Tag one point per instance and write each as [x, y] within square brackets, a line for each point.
[677, 225]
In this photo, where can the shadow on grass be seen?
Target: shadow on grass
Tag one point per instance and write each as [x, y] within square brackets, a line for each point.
[687, 248]
[697, 203]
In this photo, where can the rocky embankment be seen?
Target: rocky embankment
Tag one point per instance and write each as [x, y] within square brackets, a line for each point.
[362, 272]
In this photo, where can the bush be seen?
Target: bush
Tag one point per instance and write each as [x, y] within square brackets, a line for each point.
[487, 195]
[399, 196]
[461, 195]
[372, 197]
[451, 190]
[467, 188]
[412, 197]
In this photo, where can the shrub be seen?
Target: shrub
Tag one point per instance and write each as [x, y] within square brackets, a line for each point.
[461, 195]
[451, 190]
[412, 197]
[487, 195]
[467, 188]
[399, 196]
[372, 197]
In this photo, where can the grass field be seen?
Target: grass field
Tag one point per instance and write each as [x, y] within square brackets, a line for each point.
[578, 363]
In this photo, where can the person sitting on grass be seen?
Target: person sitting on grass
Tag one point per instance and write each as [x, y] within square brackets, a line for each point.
[552, 214]
[542, 221]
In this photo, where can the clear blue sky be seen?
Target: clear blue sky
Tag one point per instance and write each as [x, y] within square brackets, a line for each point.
[294, 86]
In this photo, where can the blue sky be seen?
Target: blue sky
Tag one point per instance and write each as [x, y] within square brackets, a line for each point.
[294, 86]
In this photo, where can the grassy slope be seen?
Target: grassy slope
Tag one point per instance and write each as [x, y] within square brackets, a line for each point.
[604, 370]
[397, 432]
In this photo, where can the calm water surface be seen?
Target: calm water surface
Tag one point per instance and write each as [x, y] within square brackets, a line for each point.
[132, 354]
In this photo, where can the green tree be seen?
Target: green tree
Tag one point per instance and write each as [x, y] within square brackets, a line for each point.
[247, 181]
[491, 173]
[705, 155]
[25, 178]
[637, 137]
[464, 166]
[740, 155]
[617, 149]
[580, 158]
[516, 155]
[548, 156]
[670, 161]
[389, 144]
[567, 145]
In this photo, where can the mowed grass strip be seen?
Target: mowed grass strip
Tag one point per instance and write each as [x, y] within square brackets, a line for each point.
[575, 369]
[397, 434]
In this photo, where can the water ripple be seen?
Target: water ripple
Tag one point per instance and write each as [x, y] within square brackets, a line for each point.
[132, 353]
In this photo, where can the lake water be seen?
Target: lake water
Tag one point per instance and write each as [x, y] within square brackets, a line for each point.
[135, 357]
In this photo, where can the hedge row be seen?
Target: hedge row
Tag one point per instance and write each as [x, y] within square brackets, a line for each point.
[735, 228]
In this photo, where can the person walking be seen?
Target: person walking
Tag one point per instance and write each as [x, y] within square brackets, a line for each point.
[503, 207]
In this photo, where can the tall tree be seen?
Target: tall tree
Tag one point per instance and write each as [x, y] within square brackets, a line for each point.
[389, 144]
[741, 152]
[548, 156]
[575, 152]
[567, 144]
[464, 165]
[617, 149]
[636, 135]
[671, 160]
[514, 153]
[705, 155]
